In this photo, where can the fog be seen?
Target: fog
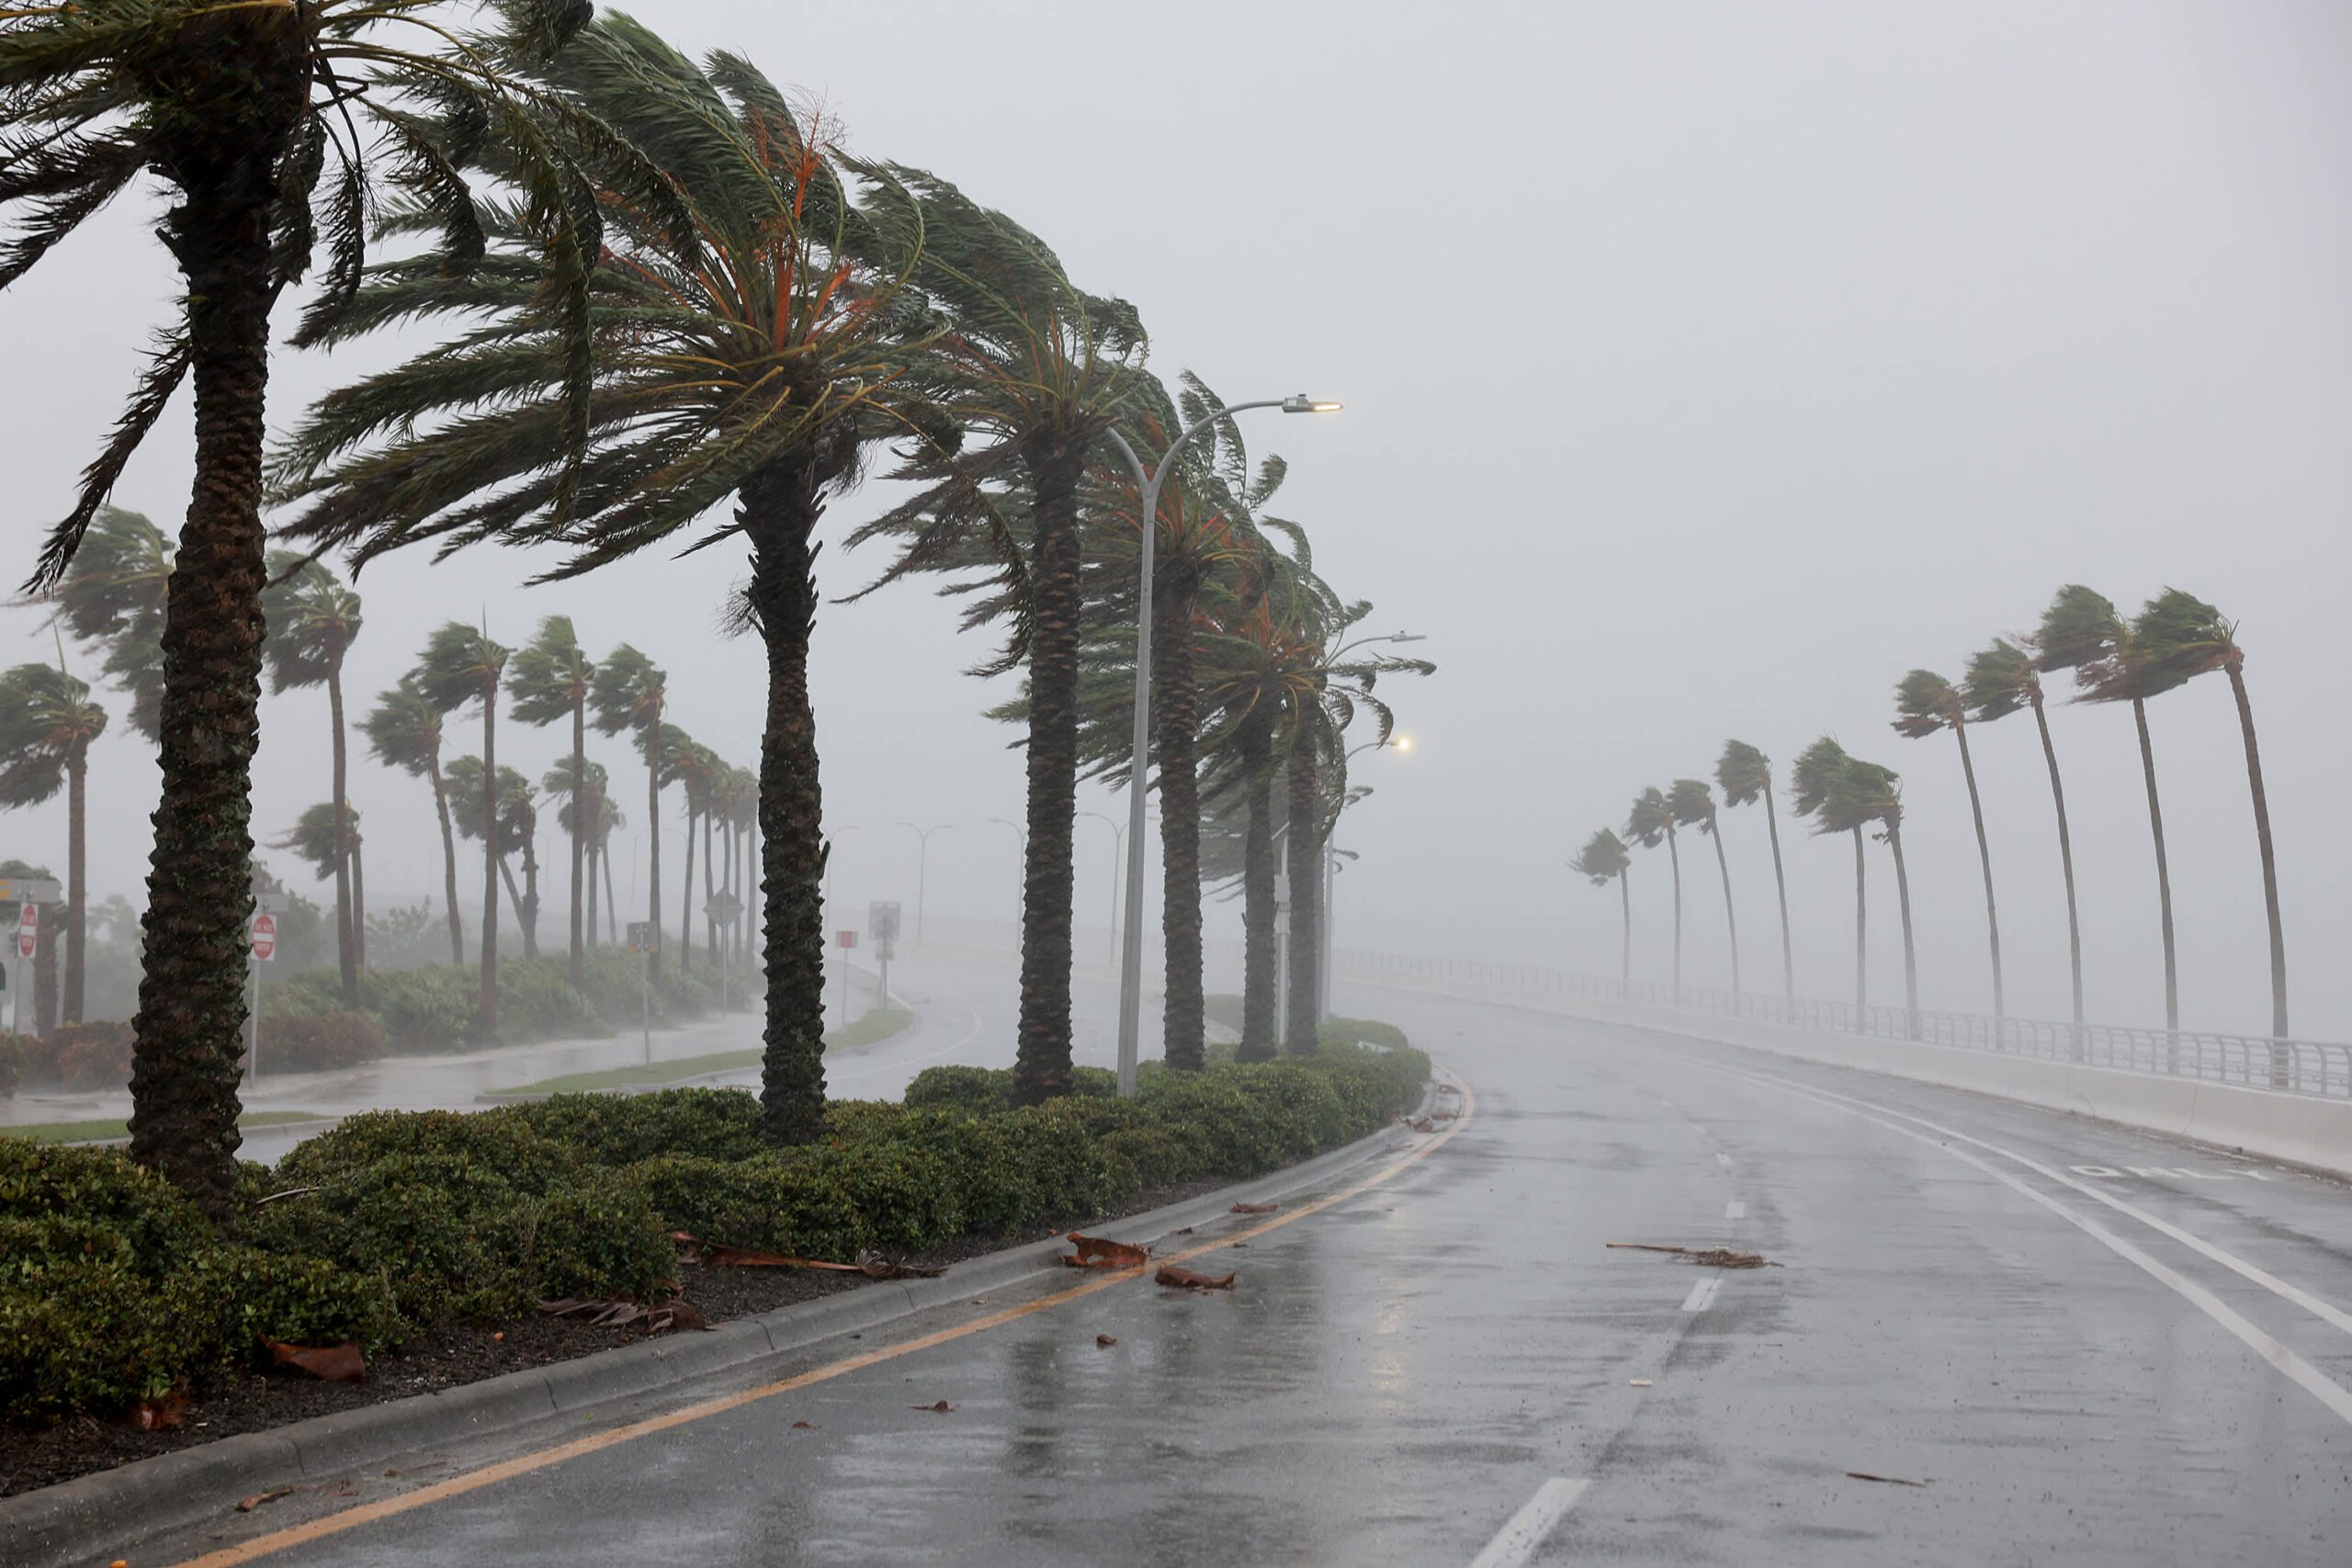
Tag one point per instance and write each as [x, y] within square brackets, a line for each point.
[1707, 367]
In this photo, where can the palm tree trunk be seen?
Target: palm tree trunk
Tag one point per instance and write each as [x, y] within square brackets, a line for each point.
[1674, 859]
[1910, 954]
[490, 864]
[580, 793]
[2236, 668]
[1625, 962]
[448, 865]
[360, 900]
[514, 894]
[1780, 886]
[45, 979]
[190, 1027]
[612, 910]
[347, 931]
[2164, 872]
[653, 841]
[1042, 1061]
[779, 511]
[1861, 927]
[1257, 902]
[709, 863]
[1301, 1033]
[527, 908]
[77, 767]
[686, 901]
[1184, 1017]
[1984, 855]
[2065, 854]
[1731, 917]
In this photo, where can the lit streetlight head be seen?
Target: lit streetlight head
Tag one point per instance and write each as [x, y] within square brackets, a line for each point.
[1403, 743]
[1299, 402]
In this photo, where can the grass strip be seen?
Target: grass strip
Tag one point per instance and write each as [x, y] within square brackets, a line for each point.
[100, 1130]
[877, 1025]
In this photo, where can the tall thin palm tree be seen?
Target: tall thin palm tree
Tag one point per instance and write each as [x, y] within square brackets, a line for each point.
[580, 812]
[2001, 681]
[1693, 805]
[46, 722]
[1809, 782]
[548, 684]
[313, 617]
[1746, 775]
[2175, 638]
[693, 767]
[517, 822]
[630, 692]
[403, 730]
[2081, 632]
[1925, 703]
[113, 598]
[462, 665]
[327, 841]
[1604, 859]
[1861, 793]
[1649, 824]
[269, 120]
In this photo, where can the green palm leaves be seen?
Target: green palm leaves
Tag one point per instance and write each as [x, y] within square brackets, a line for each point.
[46, 722]
[1925, 703]
[1745, 774]
[1649, 824]
[551, 682]
[112, 600]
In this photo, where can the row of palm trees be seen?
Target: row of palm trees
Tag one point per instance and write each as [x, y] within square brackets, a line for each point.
[2175, 638]
[677, 316]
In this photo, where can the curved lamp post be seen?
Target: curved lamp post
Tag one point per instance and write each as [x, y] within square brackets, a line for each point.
[1149, 483]
[1331, 853]
[922, 868]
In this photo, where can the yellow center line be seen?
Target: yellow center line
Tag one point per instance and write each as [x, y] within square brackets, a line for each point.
[524, 1464]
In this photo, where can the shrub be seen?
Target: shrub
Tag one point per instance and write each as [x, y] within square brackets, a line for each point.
[1363, 1032]
[92, 1056]
[619, 1130]
[597, 1236]
[437, 1229]
[495, 1142]
[97, 1191]
[536, 1001]
[321, 1043]
[828, 1201]
[972, 1089]
[12, 1064]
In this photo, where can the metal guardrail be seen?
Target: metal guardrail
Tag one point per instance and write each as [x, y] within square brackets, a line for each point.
[2314, 1068]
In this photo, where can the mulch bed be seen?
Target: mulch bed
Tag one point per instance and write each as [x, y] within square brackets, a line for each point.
[255, 1402]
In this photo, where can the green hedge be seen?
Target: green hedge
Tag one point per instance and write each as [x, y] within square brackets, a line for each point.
[113, 1288]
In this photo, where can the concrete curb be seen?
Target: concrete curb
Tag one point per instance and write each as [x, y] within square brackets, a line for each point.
[82, 1520]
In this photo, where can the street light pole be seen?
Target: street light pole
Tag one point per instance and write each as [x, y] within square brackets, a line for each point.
[922, 866]
[1021, 869]
[1147, 525]
[1331, 853]
[1118, 842]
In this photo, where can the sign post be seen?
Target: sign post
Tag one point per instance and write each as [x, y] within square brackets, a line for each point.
[263, 939]
[721, 908]
[882, 924]
[845, 941]
[28, 943]
[643, 939]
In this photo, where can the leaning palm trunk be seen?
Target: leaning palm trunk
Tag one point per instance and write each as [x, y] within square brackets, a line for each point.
[346, 924]
[686, 901]
[779, 509]
[359, 902]
[1731, 918]
[1674, 859]
[709, 920]
[1183, 1020]
[1625, 961]
[654, 843]
[2236, 668]
[490, 865]
[1780, 886]
[1258, 956]
[612, 910]
[448, 865]
[199, 896]
[1984, 857]
[2065, 854]
[1301, 1030]
[1042, 1063]
[1910, 953]
[2164, 872]
[581, 794]
[77, 767]
[1861, 927]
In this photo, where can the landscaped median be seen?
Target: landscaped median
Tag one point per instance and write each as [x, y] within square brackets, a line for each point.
[878, 1026]
[430, 1238]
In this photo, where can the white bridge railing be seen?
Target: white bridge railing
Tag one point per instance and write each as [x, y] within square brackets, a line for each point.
[2294, 1067]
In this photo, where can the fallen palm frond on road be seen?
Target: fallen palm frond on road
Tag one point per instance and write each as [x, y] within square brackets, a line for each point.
[1705, 1257]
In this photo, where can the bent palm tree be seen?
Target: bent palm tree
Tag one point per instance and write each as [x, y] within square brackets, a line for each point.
[1603, 859]
[1926, 702]
[581, 811]
[403, 730]
[113, 598]
[253, 112]
[549, 683]
[2001, 680]
[2081, 632]
[462, 665]
[1809, 782]
[46, 722]
[318, 843]
[2175, 638]
[313, 616]
[1860, 794]
[1746, 775]
[1650, 824]
[630, 692]
[517, 831]
[1694, 807]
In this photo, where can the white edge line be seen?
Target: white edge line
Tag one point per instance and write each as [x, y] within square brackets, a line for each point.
[1735, 1210]
[1516, 1541]
[1703, 1294]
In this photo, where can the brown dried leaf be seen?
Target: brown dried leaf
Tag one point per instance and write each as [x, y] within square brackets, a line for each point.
[874, 1266]
[1094, 1252]
[942, 1408]
[1106, 1340]
[1171, 1275]
[247, 1505]
[329, 1363]
[803, 1426]
[1254, 1208]
[163, 1415]
[719, 1255]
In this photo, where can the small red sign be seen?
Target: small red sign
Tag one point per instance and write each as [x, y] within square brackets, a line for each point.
[28, 930]
[843, 939]
[265, 938]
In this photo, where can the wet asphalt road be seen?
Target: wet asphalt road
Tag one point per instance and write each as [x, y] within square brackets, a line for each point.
[1392, 1379]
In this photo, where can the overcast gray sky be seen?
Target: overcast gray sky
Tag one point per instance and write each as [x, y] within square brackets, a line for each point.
[1707, 367]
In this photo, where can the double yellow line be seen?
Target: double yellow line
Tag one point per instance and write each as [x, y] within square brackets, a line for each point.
[524, 1464]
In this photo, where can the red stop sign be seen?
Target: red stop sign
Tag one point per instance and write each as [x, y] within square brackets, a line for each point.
[265, 937]
[28, 930]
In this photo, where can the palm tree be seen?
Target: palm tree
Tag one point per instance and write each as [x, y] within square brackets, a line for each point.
[1926, 703]
[462, 665]
[518, 823]
[403, 731]
[313, 616]
[1864, 793]
[46, 722]
[1693, 805]
[1604, 859]
[253, 113]
[629, 693]
[694, 768]
[315, 840]
[1746, 775]
[2175, 638]
[1038, 370]
[583, 814]
[2001, 680]
[1650, 824]
[1809, 782]
[549, 683]
[751, 331]
[112, 598]
[2081, 631]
